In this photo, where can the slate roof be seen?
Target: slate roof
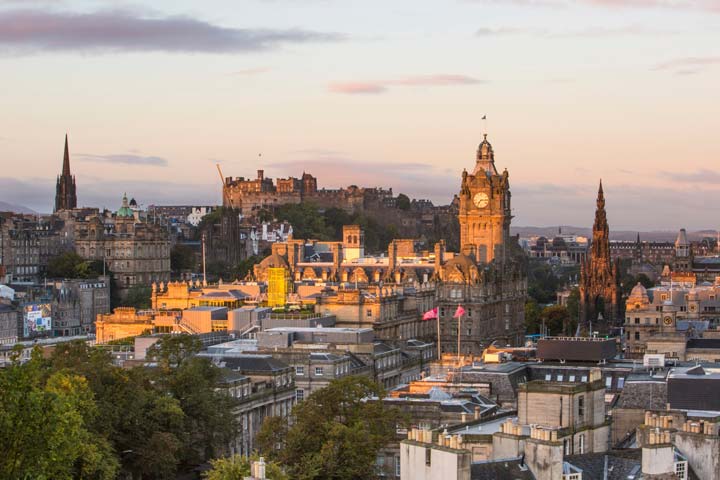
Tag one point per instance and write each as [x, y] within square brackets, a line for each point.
[254, 363]
[500, 470]
[622, 465]
[703, 343]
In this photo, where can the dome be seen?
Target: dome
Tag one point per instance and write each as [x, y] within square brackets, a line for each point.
[274, 261]
[485, 150]
[461, 269]
[638, 294]
[125, 210]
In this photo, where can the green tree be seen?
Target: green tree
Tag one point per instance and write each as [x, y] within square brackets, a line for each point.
[532, 317]
[182, 258]
[72, 265]
[44, 425]
[138, 296]
[542, 282]
[209, 423]
[334, 434]
[573, 304]
[403, 202]
[557, 320]
[238, 467]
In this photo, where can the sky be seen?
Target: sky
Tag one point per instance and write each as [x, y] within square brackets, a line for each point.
[374, 93]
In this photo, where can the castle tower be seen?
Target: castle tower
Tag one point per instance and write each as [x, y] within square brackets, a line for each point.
[484, 214]
[599, 287]
[65, 194]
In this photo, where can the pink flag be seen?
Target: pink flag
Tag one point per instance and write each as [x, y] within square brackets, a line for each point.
[459, 312]
[431, 314]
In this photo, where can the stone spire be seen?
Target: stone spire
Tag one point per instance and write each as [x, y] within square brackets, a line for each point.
[66, 159]
[65, 191]
[599, 287]
[485, 158]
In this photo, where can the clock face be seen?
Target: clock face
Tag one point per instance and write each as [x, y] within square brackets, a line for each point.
[481, 200]
[667, 320]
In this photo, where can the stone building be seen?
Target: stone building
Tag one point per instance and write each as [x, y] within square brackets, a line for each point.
[65, 193]
[262, 387]
[27, 243]
[77, 303]
[599, 277]
[488, 278]
[9, 324]
[670, 314]
[135, 250]
[253, 195]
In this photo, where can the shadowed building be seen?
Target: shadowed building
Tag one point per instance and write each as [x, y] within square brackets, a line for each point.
[599, 278]
[65, 193]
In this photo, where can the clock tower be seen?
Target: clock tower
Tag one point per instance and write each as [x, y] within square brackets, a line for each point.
[484, 208]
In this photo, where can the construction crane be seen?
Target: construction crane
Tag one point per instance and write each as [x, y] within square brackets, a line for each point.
[226, 197]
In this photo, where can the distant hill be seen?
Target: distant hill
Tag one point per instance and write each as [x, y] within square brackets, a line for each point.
[656, 235]
[10, 207]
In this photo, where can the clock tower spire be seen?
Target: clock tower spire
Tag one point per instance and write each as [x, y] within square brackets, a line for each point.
[484, 214]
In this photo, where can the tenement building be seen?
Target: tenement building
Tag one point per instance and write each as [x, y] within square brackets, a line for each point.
[599, 277]
[136, 250]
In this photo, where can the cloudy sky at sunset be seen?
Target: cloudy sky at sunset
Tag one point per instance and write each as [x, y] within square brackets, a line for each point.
[375, 93]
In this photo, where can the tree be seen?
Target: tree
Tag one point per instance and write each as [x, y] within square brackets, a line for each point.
[44, 430]
[403, 202]
[557, 320]
[237, 468]
[573, 304]
[138, 296]
[334, 434]
[532, 317]
[182, 258]
[72, 265]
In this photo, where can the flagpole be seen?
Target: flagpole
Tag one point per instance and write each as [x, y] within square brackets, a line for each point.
[439, 350]
[459, 327]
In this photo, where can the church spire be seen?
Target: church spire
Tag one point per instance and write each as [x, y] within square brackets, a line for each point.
[66, 159]
[65, 191]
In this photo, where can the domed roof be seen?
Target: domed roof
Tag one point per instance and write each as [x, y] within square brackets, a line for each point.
[638, 294]
[274, 261]
[125, 210]
[462, 268]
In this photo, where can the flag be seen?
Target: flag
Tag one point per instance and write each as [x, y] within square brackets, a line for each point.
[484, 117]
[431, 314]
[459, 312]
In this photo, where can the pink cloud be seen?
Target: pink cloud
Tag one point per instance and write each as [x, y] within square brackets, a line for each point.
[356, 87]
[688, 65]
[380, 86]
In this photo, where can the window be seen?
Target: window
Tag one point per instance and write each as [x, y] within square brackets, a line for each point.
[581, 407]
[368, 312]
[566, 446]
[319, 371]
[397, 465]
[548, 377]
[299, 370]
[581, 444]
[571, 378]
[637, 320]
[608, 382]
[299, 395]
[637, 335]
[621, 382]
[560, 378]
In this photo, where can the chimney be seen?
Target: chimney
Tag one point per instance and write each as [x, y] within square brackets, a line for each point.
[658, 454]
